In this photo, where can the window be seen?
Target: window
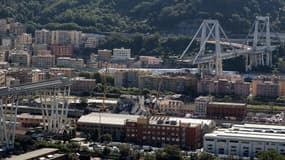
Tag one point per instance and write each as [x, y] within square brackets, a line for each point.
[221, 151]
[208, 139]
[245, 153]
[222, 140]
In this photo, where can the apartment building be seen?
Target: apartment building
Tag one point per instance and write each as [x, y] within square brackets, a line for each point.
[104, 55]
[81, 85]
[222, 110]
[22, 75]
[61, 50]
[121, 54]
[128, 78]
[223, 87]
[43, 61]
[68, 62]
[268, 86]
[150, 61]
[153, 131]
[20, 58]
[23, 41]
[58, 72]
[173, 83]
[171, 107]
[42, 36]
[201, 104]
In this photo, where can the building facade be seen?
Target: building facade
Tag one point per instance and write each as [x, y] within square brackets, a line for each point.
[245, 141]
[20, 58]
[61, 50]
[68, 62]
[120, 54]
[157, 131]
[23, 41]
[223, 87]
[104, 55]
[43, 61]
[128, 78]
[171, 107]
[58, 72]
[81, 85]
[221, 110]
[177, 84]
[42, 36]
[201, 104]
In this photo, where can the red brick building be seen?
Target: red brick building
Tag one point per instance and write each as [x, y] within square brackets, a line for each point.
[220, 110]
[61, 50]
[158, 131]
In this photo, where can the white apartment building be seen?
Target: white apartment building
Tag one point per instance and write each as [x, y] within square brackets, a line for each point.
[245, 141]
[121, 54]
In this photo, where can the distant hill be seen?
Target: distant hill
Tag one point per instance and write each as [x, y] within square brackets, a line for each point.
[145, 16]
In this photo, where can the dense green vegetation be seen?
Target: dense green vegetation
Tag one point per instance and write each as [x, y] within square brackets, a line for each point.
[265, 107]
[154, 24]
[141, 16]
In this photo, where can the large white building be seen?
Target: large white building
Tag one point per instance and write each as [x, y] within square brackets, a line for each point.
[121, 54]
[246, 140]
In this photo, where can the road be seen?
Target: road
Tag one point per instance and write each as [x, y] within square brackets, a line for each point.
[21, 89]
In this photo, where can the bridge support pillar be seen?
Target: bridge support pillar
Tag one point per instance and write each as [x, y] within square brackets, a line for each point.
[8, 119]
[261, 26]
[54, 105]
[248, 66]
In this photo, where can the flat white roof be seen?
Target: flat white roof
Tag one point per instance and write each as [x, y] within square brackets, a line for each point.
[247, 136]
[225, 103]
[251, 132]
[119, 119]
[33, 154]
[259, 126]
[101, 101]
[107, 118]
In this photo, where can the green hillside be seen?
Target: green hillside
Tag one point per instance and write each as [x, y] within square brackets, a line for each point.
[145, 16]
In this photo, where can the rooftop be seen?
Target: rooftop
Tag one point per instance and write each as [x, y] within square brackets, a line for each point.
[270, 133]
[119, 119]
[230, 104]
[107, 118]
[34, 154]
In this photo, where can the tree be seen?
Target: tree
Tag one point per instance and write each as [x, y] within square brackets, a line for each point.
[95, 135]
[83, 102]
[72, 156]
[269, 155]
[169, 152]
[106, 138]
[106, 151]
[124, 151]
[207, 156]
[149, 156]
[98, 77]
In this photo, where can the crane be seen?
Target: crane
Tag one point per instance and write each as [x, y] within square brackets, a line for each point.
[155, 109]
